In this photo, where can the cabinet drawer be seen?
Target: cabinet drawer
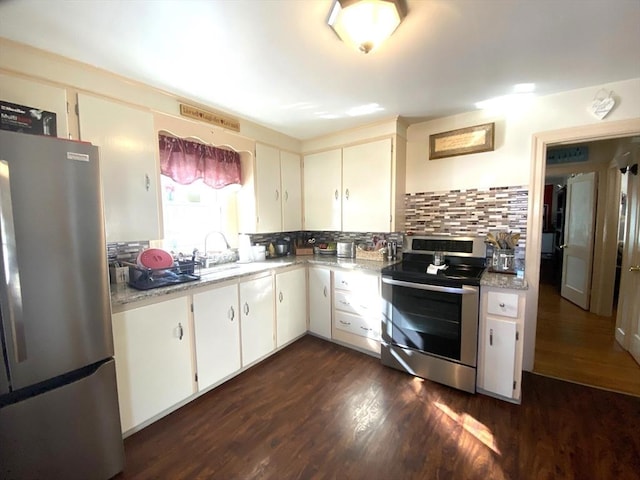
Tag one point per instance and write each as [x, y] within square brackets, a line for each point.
[355, 282]
[505, 304]
[362, 305]
[357, 325]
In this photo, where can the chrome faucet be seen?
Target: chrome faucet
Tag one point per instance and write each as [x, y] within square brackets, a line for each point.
[216, 232]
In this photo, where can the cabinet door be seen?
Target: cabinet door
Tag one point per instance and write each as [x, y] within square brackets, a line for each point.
[257, 322]
[320, 301]
[152, 347]
[366, 187]
[291, 305]
[291, 181]
[499, 356]
[128, 166]
[37, 95]
[268, 192]
[217, 334]
[322, 187]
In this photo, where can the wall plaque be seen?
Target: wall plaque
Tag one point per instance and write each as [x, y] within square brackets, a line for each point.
[462, 141]
[209, 117]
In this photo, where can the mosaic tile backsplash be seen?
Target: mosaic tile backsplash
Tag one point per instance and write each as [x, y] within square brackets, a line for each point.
[469, 212]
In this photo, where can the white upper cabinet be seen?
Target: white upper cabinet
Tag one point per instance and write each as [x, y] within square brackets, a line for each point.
[270, 200]
[37, 95]
[291, 181]
[128, 166]
[268, 190]
[322, 187]
[359, 188]
[366, 187]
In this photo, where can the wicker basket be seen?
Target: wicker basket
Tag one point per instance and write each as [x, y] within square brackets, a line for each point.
[375, 255]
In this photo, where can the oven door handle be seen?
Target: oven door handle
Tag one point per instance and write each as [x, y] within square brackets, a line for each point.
[466, 289]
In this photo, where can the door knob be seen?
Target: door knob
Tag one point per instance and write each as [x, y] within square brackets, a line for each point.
[564, 245]
[634, 268]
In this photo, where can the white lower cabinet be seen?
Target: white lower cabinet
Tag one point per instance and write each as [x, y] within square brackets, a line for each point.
[153, 359]
[216, 320]
[500, 343]
[357, 310]
[257, 322]
[291, 305]
[320, 301]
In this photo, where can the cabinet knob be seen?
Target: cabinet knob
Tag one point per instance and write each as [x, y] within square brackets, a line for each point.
[502, 305]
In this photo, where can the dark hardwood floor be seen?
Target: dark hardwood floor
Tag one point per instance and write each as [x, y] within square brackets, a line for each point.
[317, 410]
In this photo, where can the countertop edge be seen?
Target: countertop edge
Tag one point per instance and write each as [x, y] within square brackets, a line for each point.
[122, 295]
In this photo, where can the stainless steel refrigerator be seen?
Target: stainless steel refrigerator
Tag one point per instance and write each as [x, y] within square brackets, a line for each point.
[59, 414]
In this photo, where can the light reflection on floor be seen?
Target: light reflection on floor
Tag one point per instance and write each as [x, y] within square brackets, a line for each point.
[471, 425]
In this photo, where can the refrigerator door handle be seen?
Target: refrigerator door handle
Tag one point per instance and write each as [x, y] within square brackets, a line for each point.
[13, 314]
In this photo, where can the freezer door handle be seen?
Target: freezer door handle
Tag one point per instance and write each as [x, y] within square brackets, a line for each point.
[12, 311]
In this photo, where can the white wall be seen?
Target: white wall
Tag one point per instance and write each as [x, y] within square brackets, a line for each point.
[509, 163]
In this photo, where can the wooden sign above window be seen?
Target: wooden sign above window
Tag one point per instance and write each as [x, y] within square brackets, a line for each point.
[209, 117]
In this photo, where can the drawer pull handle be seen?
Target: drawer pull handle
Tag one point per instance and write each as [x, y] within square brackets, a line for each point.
[367, 329]
[491, 337]
[336, 194]
[246, 308]
[345, 323]
[344, 303]
[502, 305]
[280, 297]
[232, 314]
[180, 331]
[147, 182]
[277, 195]
[634, 268]
[324, 291]
[286, 195]
[347, 194]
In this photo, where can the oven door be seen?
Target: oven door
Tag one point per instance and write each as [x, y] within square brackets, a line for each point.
[433, 319]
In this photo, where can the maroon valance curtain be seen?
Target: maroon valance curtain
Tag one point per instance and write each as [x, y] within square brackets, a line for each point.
[185, 161]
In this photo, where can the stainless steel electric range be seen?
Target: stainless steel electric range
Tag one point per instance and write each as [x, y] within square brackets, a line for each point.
[430, 313]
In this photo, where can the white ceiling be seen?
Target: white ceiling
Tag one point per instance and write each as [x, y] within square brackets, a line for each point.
[277, 63]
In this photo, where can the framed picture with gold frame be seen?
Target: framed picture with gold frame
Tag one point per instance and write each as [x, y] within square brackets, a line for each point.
[462, 141]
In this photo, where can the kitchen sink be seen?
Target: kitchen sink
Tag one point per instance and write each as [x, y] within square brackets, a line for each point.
[218, 268]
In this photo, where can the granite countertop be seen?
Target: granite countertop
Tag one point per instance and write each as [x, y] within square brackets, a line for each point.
[122, 294]
[503, 280]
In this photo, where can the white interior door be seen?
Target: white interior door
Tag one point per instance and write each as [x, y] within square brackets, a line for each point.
[628, 319]
[578, 239]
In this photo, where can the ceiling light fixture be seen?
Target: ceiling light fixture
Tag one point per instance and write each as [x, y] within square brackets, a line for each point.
[365, 24]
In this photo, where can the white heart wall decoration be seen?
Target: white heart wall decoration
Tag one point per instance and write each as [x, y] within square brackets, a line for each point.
[602, 104]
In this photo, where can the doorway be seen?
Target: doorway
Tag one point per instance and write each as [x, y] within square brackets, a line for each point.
[571, 343]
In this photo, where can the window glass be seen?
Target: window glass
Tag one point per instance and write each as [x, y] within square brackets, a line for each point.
[192, 211]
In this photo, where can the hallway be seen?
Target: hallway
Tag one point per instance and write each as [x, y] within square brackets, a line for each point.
[578, 346]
